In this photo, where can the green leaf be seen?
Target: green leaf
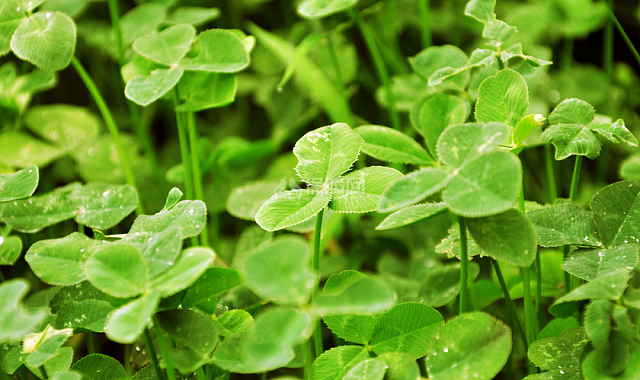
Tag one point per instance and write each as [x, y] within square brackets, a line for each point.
[21, 150]
[43, 346]
[473, 345]
[213, 282]
[335, 363]
[61, 261]
[189, 266]
[36, 213]
[442, 284]
[18, 185]
[315, 9]
[451, 244]
[99, 367]
[433, 58]
[268, 345]
[461, 143]
[190, 329]
[616, 213]
[411, 215]
[352, 328]
[326, 153]
[141, 20]
[572, 111]
[63, 125]
[46, 39]
[434, 114]
[524, 128]
[145, 90]
[11, 14]
[615, 132]
[372, 369]
[400, 366]
[481, 10]
[117, 269]
[244, 202]
[188, 216]
[195, 16]
[351, 292]
[487, 185]
[10, 249]
[572, 139]
[218, 51]
[413, 188]
[234, 322]
[389, 145]
[504, 98]
[201, 90]
[564, 224]
[408, 328]
[280, 271]
[168, 46]
[15, 321]
[561, 353]
[173, 198]
[126, 323]
[89, 314]
[288, 208]
[60, 363]
[479, 58]
[161, 250]
[592, 366]
[595, 263]
[361, 190]
[606, 287]
[102, 206]
[509, 236]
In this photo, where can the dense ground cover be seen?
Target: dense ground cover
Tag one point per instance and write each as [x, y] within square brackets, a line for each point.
[319, 189]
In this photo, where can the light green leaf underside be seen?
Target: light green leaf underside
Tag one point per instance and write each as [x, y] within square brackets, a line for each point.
[413, 188]
[509, 236]
[63, 125]
[288, 208]
[361, 190]
[195, 16]
[315, 9]
[560, 353]
[591, 264]
[351, 292]
[126, 323]
[191, 264]
[46, 39]
[504, 98]
[389, 145]
[370, 369]
[15, 320]
[572, 111]
[433, 115]
[462, 143]
[218, 51]
[10, 249]
[408, 328]
[524, 128]
[335, 363]
[22, 150]
[201, 90]
[118, 270]
[280, 271]
[145, 90]
[19, 185]
[352, 328]
[572, 139]
[244, 202]
[326, 153]
[564, 224]
[615, 132]
[487, 185]
[473, 345]
[616, 210]
[166, 47]
[411, 215]
[188, 216]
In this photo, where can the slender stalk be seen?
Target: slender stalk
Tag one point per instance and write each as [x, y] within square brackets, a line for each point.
[511, 307]
[607, 50]
[152, 355]
[379, 64]
[529, 313]
[183, 140]
[43, 373]
[539, 308]
[317, 254]
[111, 124]
[425, 27]
[195, 167]
[3, 375]
[567, 54]
[624, 35]
[551, 175]
[1, 277]
[166, 354]
[576, 178]
[200, 374]
[464, 267]
[92, 343]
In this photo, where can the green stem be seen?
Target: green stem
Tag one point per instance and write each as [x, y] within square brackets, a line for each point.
[195, 166]
[152, 355]
[511, 307]
[92, 343]
[607, 51]
[200, 374]
[379, 64]
[425, 27]
[166, 354]
[464, 267]
[551, 175]
[567, 54]
[111, 124]
[529, 313]
[624, 35]
[317, 254]
[183, 140]
[575, 179]
[43, 373]
[539, 308]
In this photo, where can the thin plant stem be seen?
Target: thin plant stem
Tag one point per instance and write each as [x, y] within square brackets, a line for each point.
[195, 167]
[511, 307]
[567, 54]
[152, 355]
[529, 313]
[183, 140]
[551, 174]
[464, 267]
[145, 139]
[92, 343]
[1, 277]
[575, 180]
[379, 64]
[425, 27]
[539, 309]
[43, 373]
[200, 374]
[166, 354]
[111, 125]
[317, 255]
[3, 374]
[624, 35]
[607, 50]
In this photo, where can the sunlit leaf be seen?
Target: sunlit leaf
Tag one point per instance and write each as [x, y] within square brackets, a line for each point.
[218, 51]
[462, 143]
[126, 323]
[411, 215]
[351, 292]
[43, 346]
[361, 190]
[201, 90]
[10, 249]
[504, 98]
[289, 208]
[335, 363]
[524, 128]
[352, 328]
[572, 139]
[373, 369]
[19, 185]
[413, 188]
[321, 8]
[564, 224]
[144, 90]
[594, 263]
[117, 269]
[188, 216]
[572, 111]
[102, 206]
[188, 268]
[617, 214]
[166, 47]
[15, 320]
[437, 112]
[389, 145]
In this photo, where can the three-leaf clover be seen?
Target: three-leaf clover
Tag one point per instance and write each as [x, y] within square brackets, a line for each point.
[324, 155]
